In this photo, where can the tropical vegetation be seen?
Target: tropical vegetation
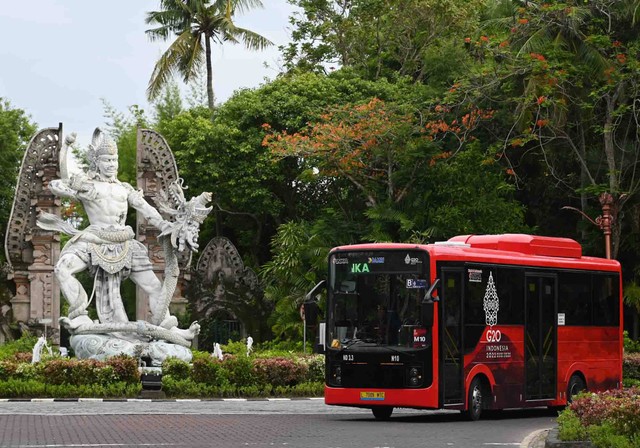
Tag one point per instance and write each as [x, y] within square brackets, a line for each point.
[397, 120]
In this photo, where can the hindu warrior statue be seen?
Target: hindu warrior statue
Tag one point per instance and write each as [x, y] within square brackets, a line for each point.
[107, 248]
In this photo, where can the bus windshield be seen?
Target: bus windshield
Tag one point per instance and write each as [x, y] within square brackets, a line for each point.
[375, 297]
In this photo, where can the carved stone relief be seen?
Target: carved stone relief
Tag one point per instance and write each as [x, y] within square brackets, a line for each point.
[32, 252]
[156, 170]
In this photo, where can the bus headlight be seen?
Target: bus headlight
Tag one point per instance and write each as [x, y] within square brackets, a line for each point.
[415, 376]
[337, 375]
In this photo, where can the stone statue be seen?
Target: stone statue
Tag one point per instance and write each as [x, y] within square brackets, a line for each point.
[109, 250]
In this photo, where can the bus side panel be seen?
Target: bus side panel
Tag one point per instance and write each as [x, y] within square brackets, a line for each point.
[597, 348]
[501, 352]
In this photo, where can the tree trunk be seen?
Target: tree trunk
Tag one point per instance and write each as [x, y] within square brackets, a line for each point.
[210, 97]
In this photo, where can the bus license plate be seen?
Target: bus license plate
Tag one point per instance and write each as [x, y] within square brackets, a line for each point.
[372, 396]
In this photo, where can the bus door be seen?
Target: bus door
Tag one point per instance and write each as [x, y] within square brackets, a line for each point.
[451, 367]
[540, 337]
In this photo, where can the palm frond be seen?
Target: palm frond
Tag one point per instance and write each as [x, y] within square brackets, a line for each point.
[169, 63]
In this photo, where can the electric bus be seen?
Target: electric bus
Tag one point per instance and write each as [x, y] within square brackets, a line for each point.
[478, 322]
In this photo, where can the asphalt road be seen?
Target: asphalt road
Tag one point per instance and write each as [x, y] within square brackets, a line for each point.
[273, 423]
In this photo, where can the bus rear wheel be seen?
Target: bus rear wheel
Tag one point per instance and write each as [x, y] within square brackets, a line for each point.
[475, 400]
[382, 412]
[576, 385]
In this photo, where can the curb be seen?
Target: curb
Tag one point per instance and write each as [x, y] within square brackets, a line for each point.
[554, 442]
[137, 400]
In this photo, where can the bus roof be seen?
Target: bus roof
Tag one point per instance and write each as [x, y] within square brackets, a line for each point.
[511, 248]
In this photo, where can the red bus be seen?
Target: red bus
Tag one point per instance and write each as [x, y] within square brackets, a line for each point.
[479, 322]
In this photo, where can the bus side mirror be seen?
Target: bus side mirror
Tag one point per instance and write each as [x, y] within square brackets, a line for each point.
[311, 304]
[426, 307]
[311, 313]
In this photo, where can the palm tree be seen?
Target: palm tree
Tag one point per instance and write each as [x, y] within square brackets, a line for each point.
[196, 23]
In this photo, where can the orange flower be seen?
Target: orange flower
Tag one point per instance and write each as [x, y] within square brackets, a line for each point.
[484, 38]
[622, 58]
[523, 21]
[467, 40]
[541, 99]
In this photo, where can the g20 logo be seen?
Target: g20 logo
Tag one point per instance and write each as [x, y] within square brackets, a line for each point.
[494, 335]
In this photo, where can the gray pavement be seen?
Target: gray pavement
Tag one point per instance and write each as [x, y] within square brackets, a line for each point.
[237, 422]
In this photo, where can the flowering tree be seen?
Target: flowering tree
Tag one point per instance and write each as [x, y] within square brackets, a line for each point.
[378, 147]
[561, 73]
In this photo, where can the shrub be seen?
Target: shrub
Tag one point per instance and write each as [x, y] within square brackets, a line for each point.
[208, 370]
[605, 436]
[239, 370]
[177, 368]
[631, 366]
[569, 426]
[235, 347]
[611, 412]
[28, 371]
[24, 346]
[315, 366]
[630, 346]
[280, 371]
[18, 388]
[125, 368]
[7, 368]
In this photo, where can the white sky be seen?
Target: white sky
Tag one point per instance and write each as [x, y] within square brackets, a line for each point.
[59, 58]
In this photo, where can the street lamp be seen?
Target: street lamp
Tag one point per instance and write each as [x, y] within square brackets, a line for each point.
[604, 221]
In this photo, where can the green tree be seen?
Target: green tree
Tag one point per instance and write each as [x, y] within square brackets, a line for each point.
[381, 38]
[196, 24]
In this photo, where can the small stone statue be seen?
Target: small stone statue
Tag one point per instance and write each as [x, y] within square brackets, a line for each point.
[217, 351]
[36, 353]
[249, 345]
[109, 250]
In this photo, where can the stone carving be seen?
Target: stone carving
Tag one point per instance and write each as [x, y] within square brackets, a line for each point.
[107, 249]
[156, 171]
[30, 251]
[223, 285]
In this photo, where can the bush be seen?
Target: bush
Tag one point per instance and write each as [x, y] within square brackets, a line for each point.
[24, 346]
[569, 426]
[630, 346]
[603, 415]
[631, 366]
[176, 368]
[239, 370]
[209, 370]
[280, 371]
[315, 366]
[125, 368]
[235, 347]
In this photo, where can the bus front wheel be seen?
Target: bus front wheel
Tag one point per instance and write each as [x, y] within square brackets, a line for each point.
[474, 408]
[382, 412]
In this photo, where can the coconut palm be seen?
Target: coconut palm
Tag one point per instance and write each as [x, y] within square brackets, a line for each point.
[196, 24]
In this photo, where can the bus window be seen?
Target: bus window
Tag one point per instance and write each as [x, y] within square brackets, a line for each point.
[606, 309]
[510, 284]
[574, 298]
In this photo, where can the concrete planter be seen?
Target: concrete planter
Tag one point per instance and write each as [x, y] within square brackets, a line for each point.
[554, 442]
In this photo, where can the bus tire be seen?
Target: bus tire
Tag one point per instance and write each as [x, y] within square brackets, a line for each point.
[576, 385]
[382, 412]
[475, 400]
